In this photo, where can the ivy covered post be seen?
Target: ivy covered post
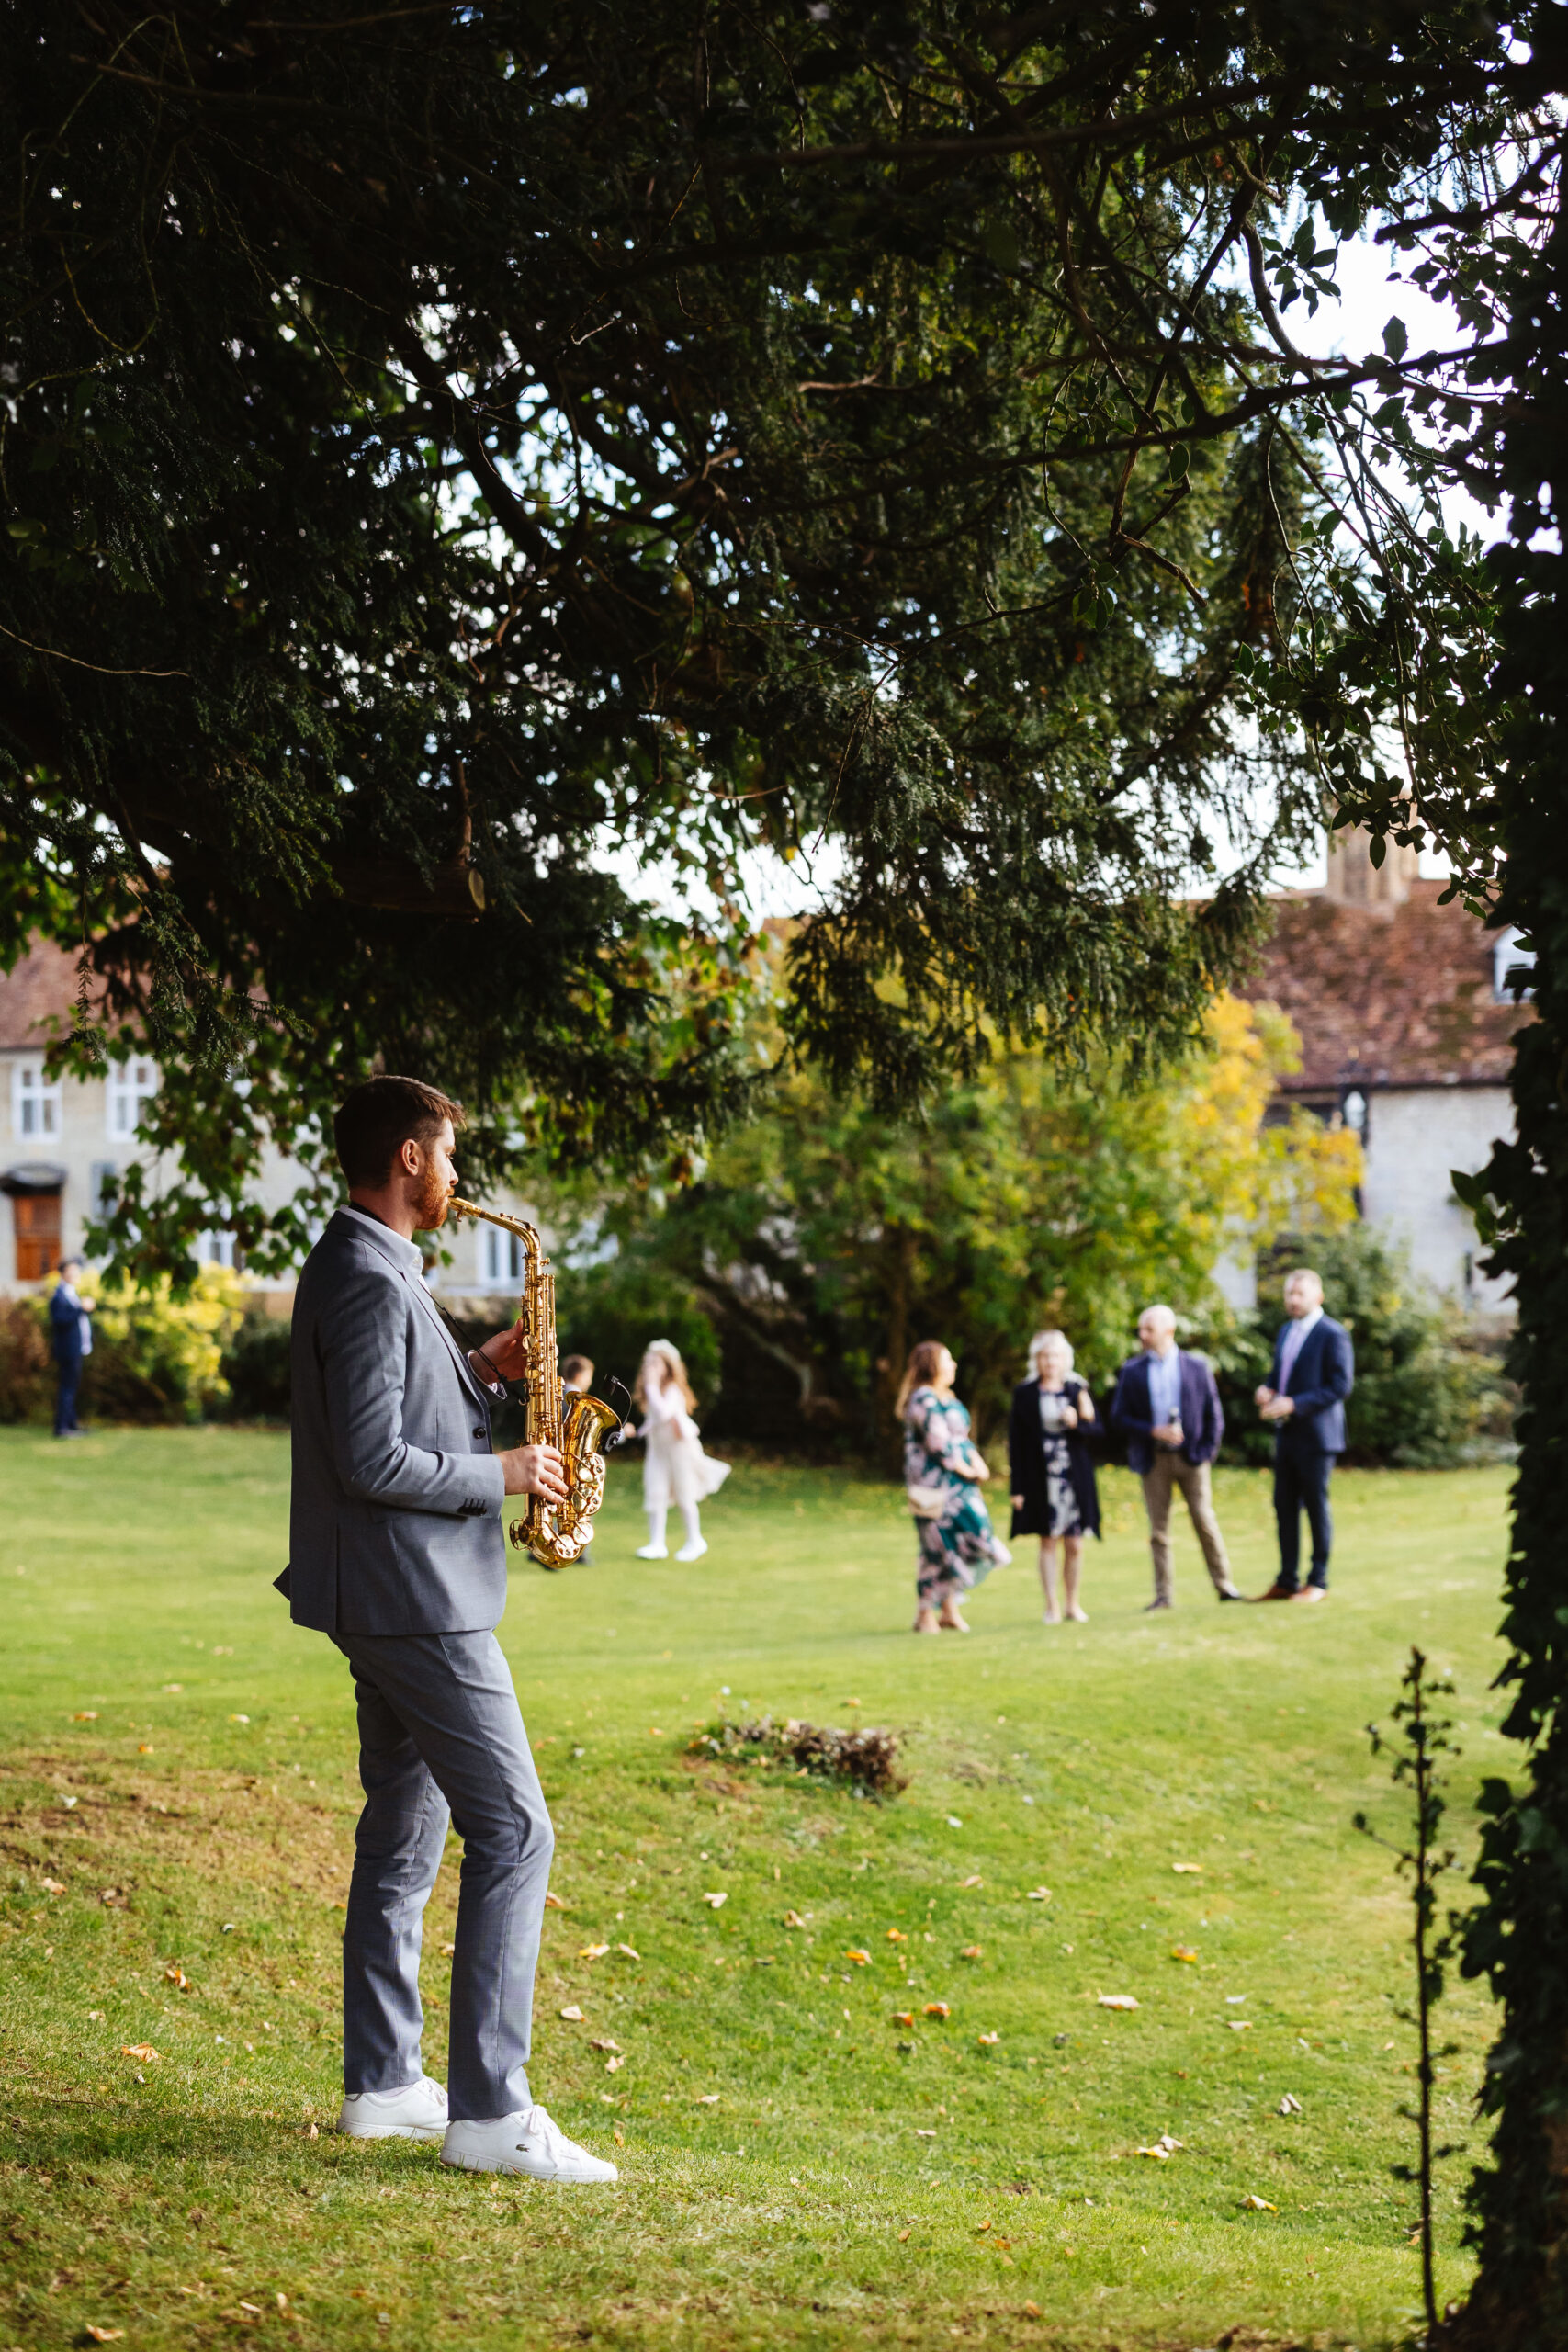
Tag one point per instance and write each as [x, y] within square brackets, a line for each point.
[1519, 1937]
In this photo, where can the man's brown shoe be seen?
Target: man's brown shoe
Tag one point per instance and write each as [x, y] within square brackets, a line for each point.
[1278, 1592]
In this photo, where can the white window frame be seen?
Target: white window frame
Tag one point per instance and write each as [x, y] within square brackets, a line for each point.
[35, 1109]
[216, 1248]
[130, 1083]
[501, 1256]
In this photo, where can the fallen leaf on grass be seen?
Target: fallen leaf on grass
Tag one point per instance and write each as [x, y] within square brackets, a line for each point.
[988, 2040]
[904, 2234]
[312, 2132]
[954, 1821]
[1186, 1868]
[980, 2228]
[142, 2049]
[938, 2010]
[1290, 2104]
[975, 1881]
[1117, 2001]
[105, 2335]
[1182, 1952]
[627, 1952]
[1237, 2024]
[177, 1978]
[603, 2041]
[1037, 1894]
[254, 2309]
[970, 1952]
[53, 1886]
[239, 1719]
[143, 1750]
[554, 1902]
[706, 2098]
[922, 2134]
[1032, 2310]
[904, 2016]
[861, 1959]
[572, 2013]
[614, 2065]
[593, 1952]
[793, 1919]
[717, 1901]
[620, 2137]
[447, 1951]
[897, 1935]
[1164, 2148]
[1258, 2205]
[85, 1715]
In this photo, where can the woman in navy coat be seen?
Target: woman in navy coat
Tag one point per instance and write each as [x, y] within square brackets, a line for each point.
[1053, 1491]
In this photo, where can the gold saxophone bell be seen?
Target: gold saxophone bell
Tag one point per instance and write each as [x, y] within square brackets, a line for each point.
[578, 1427]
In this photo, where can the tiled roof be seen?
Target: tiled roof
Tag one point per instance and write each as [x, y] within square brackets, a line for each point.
[1388, 996]
[38, 997]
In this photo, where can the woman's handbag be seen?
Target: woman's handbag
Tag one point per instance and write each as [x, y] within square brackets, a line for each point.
[926, 1502]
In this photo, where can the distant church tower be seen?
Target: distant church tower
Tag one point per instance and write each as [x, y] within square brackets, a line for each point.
[1355, 881]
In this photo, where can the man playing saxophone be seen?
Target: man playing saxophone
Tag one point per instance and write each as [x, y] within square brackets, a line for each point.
[396, 1550]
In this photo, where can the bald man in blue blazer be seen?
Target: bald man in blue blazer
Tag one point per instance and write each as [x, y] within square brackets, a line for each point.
[1312, 1373]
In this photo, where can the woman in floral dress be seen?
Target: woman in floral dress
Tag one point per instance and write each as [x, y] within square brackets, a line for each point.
[943, 1474]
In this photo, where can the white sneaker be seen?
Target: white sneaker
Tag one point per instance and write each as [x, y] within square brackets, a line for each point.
[528, 2143]
[692, 1551]
[653, 1552]
[418, 2111]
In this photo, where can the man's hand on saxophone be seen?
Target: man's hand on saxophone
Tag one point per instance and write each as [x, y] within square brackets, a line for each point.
[534, 1470]
[504, 1355]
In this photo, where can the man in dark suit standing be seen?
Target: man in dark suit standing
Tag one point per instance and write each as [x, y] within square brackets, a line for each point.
[70, 1336]
[1314, 1372]
[1167, 1408]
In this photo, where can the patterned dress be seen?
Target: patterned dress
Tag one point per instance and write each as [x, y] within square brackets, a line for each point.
[961, 1547]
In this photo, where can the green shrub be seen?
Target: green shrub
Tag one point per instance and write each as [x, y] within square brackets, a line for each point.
[610, 1312]
[1430, 1391]
[155, 1358]
[255, 1370]
[27, 1367]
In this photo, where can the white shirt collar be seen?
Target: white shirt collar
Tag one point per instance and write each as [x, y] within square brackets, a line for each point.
[403, 1254]
[1303, 1323]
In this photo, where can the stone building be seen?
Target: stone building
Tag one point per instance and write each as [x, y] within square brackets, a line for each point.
[1406, 1013]
[62, 1138]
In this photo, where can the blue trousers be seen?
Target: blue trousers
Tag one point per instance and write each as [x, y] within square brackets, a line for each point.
[68, 1378]
[441, 1736]
[1300, 1483]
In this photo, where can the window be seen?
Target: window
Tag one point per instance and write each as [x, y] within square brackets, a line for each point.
[35, 1101]
[131, 1085]
[216, 1248]
[1511, 958]
[500, 1255]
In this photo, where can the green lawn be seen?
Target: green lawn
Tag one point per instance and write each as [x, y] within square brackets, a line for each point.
[797, 2167]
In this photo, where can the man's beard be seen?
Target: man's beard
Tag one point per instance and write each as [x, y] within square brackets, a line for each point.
[430, 1210]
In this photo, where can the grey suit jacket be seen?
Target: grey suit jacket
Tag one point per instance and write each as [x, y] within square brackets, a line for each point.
[394, 1522]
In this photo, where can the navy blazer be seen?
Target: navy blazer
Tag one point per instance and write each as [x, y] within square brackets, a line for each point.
[1321, 1378]
[1202, 1421]
[65, 1329]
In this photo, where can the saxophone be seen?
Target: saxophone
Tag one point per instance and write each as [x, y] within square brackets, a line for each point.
[579, 1426]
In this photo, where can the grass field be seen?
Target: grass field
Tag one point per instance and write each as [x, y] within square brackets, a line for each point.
[178, 1803]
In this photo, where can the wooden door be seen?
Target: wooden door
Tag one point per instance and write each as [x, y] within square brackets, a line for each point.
[37, 1216]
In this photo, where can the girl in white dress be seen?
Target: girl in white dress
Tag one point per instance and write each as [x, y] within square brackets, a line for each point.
[674, 1467]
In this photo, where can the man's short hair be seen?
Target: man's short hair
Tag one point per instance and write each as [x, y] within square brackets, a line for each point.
[1165, 1314]
[67, 1263]
[1305, 1274]
[377, 1119]
[577, 1368]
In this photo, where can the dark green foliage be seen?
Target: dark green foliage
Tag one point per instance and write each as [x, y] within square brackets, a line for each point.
[1419, 1744]
[256, 1368]
[609, 1312]
[1519, 1934]
[853, 436]
[1426, 1395]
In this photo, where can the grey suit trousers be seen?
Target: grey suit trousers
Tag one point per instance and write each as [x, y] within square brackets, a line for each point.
[441, 1735]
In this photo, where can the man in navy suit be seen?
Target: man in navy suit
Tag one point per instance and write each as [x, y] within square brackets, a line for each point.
[1314, 1372]
[71, 1334]
[1167, 1408]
